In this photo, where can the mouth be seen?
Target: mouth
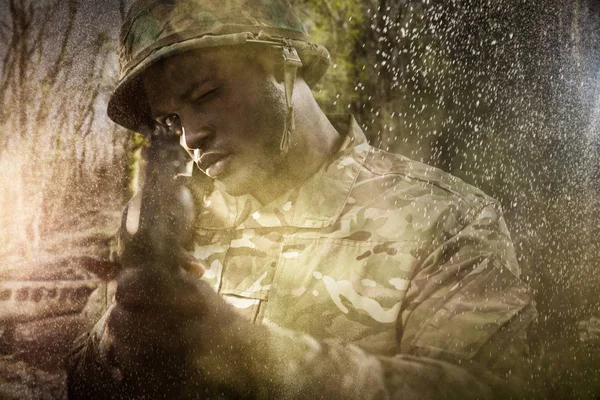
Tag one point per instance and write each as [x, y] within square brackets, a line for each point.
[213, 163]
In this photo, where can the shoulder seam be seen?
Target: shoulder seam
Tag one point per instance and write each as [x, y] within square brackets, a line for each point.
[485, 199]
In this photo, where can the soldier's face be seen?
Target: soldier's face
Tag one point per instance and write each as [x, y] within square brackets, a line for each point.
[231, 108]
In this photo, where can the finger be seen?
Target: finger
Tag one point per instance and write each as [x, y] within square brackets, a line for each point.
[192, 265]
[195, 268]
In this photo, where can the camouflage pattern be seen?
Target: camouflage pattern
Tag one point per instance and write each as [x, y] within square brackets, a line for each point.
[376, 250]
[379, 277]
[156, 29]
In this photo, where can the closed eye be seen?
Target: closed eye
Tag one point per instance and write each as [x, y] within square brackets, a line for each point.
[205, 96]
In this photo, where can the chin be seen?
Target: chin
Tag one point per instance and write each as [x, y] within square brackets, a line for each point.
[237, 185]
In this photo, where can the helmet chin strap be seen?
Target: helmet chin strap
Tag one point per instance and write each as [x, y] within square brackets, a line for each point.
[291, 63]
[193, 153]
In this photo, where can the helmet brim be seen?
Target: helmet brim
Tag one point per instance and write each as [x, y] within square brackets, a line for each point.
[129, 107]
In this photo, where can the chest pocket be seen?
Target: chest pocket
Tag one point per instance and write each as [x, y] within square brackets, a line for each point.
[242, 269]
[352, 290]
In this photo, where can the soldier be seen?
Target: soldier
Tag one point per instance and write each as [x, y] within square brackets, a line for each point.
[331, 269]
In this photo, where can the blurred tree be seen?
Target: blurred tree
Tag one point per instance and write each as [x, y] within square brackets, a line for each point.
[51, 84]
[64, 180]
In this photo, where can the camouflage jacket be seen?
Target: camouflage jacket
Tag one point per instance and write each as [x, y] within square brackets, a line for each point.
[394, 275]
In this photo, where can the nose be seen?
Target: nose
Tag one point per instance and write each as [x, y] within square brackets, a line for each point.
[197, 139]
[192, 137]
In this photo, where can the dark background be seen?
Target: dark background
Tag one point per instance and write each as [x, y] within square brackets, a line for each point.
[504, 94]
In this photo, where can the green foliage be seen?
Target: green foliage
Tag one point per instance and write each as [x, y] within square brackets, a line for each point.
[336, 24]
[135, 145]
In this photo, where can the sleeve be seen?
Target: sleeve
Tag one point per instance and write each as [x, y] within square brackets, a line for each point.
[466, 301]
[88, 375]
[462, 331]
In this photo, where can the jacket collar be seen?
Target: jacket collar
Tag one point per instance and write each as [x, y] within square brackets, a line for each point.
[316, 203]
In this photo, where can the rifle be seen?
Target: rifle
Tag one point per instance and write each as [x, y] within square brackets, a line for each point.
[158, 221]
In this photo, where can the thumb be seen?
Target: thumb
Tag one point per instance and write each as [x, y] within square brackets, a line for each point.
[192, 265]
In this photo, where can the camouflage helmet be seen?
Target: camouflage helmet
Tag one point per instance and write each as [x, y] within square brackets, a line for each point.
[156, 29]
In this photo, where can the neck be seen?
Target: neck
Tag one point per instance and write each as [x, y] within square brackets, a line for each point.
[313, 142]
